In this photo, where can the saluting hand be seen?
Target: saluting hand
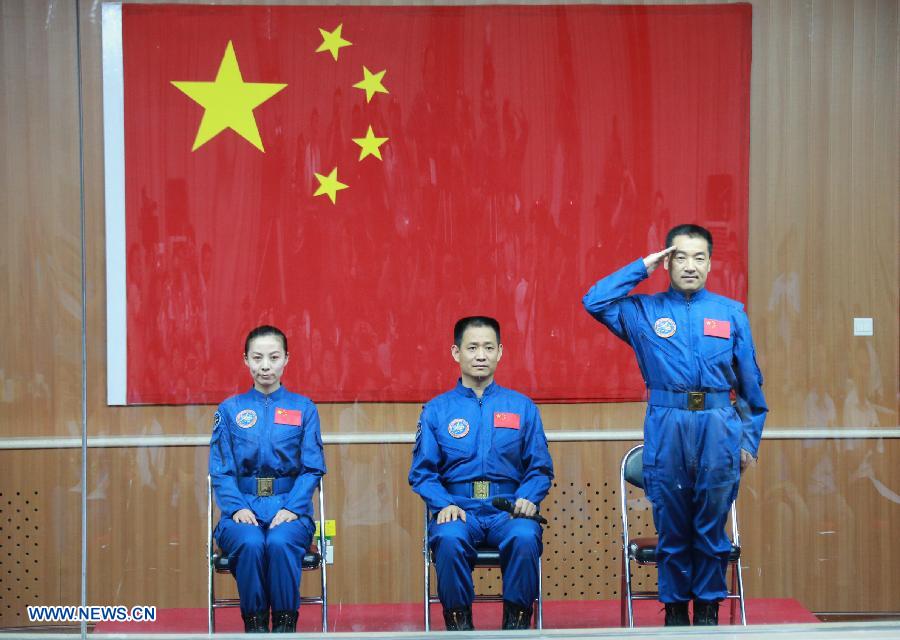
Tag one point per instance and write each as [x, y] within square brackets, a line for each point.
[652, 261]
[244, 516]
[449, 513]
[283, 515]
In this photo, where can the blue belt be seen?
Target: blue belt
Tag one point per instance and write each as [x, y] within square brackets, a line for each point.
[469, 489]
[690, 400]
[265, 486]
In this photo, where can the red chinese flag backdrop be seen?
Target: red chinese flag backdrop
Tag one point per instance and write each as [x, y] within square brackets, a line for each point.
[531, 150]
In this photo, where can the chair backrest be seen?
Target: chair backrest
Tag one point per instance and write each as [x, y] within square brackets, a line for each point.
[632, 472]
[633, 467]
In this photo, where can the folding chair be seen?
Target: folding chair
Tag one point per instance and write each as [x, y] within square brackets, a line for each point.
[218, 562]
[486, 558]
[642, 551]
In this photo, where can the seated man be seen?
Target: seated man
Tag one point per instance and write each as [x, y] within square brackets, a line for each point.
[475, 443]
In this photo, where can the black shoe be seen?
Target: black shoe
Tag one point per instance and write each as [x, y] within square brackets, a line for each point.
[459, 619]
[284, 621]
[256, 622]
[516, 617]
[677, 614]
[706, 613]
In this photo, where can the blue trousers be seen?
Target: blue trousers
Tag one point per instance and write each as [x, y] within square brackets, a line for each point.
[267, 562]
[691, 475]
[453, 547]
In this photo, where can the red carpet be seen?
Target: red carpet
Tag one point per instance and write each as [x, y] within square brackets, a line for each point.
[563, 614]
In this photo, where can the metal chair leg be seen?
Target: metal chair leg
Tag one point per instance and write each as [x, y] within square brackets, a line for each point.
[427, 580]
[539, 614]
[733, 602]
[629, 604]
[736, 534]
[323, 552]
[210, 587]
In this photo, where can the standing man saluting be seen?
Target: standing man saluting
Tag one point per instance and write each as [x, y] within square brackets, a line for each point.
[693, 348]
[475, 443]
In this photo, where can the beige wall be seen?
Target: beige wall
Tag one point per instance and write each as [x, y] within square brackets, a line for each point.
[823, 248]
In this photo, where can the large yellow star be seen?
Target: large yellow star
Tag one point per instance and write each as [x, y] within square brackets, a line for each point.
[228, 102]
[329, 185]
[332, 41]
[371, 83]
[369, 146]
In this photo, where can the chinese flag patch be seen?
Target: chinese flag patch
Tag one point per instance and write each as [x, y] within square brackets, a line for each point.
[506, 420]
[716, 328]
[293, 417]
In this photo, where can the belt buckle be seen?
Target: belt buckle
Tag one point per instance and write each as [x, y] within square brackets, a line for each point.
[265, 487]
[481, 489]
[696, 400]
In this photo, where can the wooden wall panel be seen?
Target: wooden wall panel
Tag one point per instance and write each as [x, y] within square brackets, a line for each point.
[40, 531]
[40, 250]
[816, 516]
[823, 210]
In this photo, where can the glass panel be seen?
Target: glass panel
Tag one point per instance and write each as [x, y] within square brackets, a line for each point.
[509, 184]
[40, 372]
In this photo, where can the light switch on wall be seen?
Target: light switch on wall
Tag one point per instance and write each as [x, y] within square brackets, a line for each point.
[862, 326]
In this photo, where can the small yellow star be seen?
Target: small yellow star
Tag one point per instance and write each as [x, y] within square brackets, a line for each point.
[332, 41]
[369, 146]
[329, 185]
[371, 83]
[228, 102]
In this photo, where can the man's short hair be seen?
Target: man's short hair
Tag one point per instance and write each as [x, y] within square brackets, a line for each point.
[474, 321]
[265, 330]
[691, 231]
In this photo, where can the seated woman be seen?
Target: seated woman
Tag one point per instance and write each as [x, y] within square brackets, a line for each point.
[265, 459]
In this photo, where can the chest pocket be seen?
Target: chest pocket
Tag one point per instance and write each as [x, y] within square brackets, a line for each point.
[287, 449]
[506, 439]
[716, 350]
[457, 449]
[250, 434]
[654, 347]
[716, 370]
[286, 432]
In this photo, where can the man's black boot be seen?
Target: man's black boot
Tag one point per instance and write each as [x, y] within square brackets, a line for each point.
[706, 613]
[256, 622]
[677, 614]
[284, 621]
[459, 619]
[516, 617]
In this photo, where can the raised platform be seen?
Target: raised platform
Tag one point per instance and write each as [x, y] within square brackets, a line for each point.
[407, 617]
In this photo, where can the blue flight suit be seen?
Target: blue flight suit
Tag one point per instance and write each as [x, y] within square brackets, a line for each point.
[691, 457]
[498, 437]
[266, 436]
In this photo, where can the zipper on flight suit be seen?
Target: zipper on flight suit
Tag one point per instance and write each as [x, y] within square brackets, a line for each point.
[267, 436]
[694, 351]
[481, 435]
[694, 461]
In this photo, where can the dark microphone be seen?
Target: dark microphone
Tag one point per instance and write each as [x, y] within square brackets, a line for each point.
[505, 505]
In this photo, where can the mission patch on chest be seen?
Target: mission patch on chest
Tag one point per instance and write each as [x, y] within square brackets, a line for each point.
[458, 428]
